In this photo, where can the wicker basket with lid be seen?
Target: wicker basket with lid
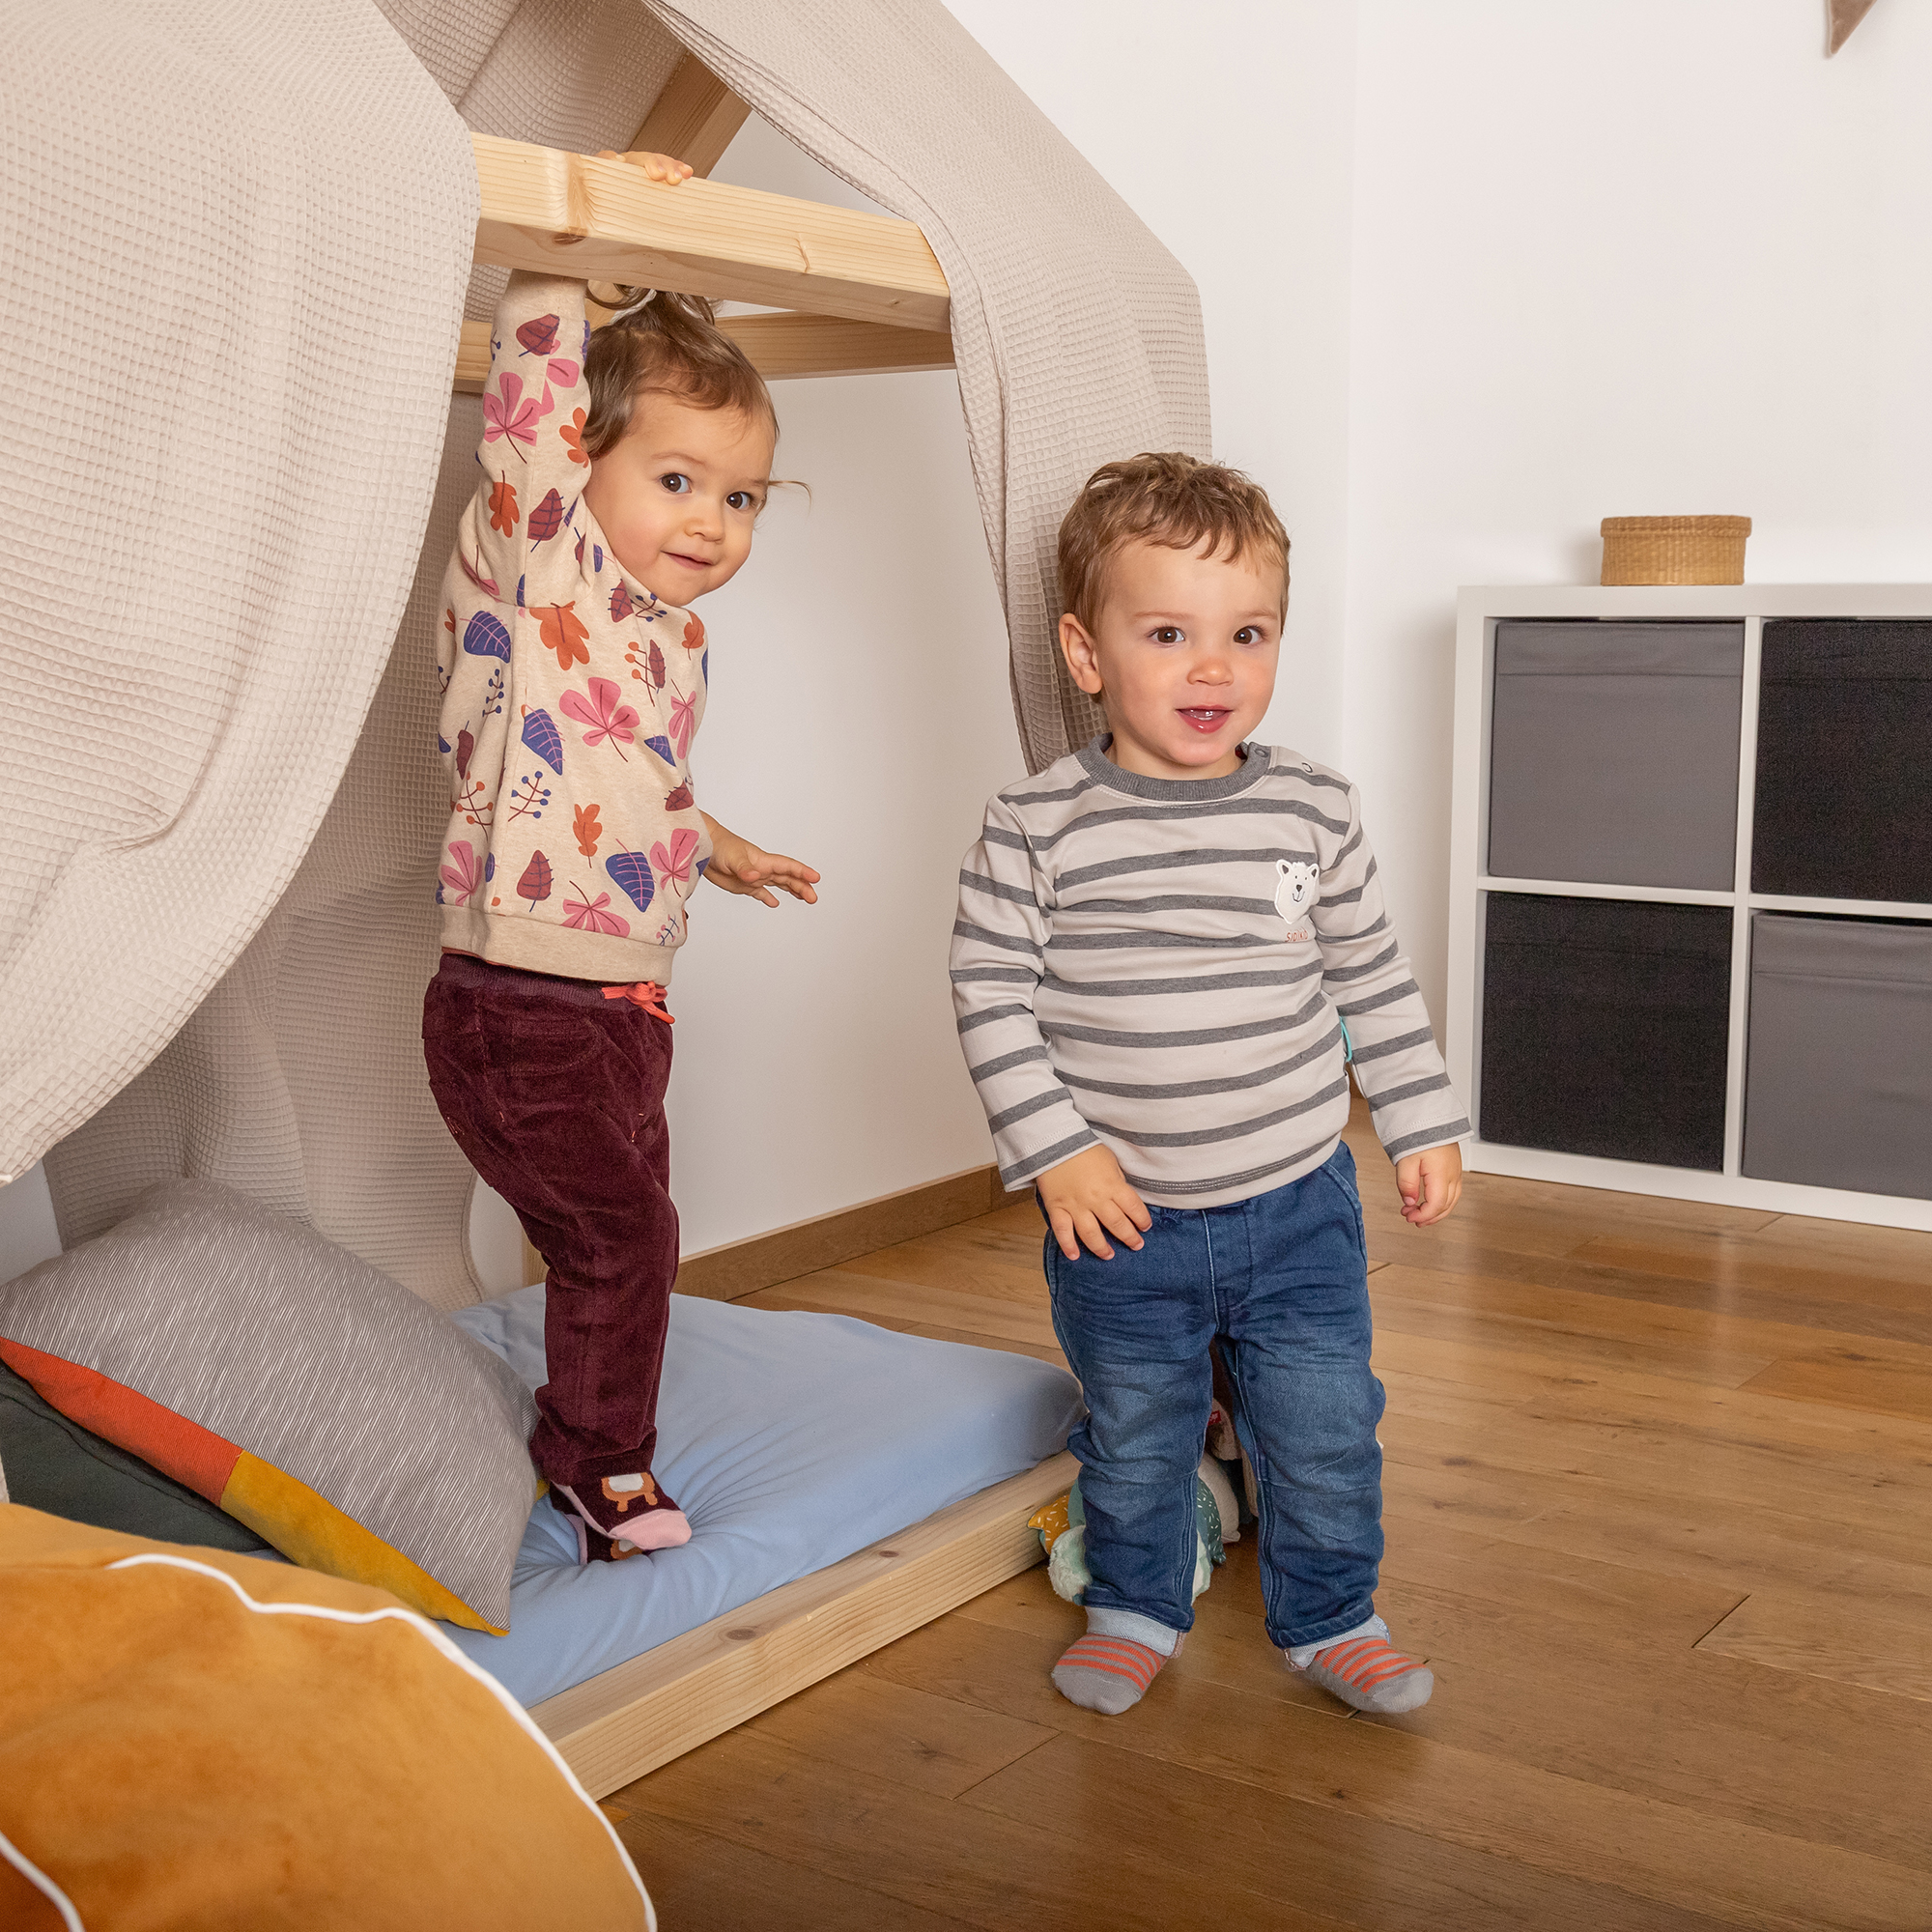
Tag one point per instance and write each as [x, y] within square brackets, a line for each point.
[1674, 550]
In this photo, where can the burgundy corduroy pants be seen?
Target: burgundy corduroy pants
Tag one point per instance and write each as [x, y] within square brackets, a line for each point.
[555, 1095]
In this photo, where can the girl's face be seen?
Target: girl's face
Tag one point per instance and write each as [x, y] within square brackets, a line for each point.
[679, 495]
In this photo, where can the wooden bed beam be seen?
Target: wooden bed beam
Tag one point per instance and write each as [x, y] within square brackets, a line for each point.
[828, 345]
[779, 346]
[683, 1693]
[571, 214]
[694, 118]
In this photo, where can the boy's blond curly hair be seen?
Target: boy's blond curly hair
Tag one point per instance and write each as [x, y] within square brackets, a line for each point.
[1163, 498]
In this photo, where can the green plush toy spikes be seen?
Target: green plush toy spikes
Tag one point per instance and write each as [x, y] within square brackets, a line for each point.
[1066, 1551]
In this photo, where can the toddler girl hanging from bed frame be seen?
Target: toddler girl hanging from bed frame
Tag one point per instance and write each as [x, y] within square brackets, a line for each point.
[622, 479]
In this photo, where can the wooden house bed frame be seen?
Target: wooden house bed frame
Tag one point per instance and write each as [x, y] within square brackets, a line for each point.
[671, 1698]
[857, 294]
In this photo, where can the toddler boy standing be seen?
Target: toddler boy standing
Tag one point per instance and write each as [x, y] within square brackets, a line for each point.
[1159, 940]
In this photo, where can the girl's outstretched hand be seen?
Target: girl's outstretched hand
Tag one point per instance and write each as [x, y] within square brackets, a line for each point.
[663, 168]
[740, 867]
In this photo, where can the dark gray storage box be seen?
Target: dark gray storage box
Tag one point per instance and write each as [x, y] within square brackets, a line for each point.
[1839, 1075]
[1606, 1027]
[1613, 752]
[1844, 760]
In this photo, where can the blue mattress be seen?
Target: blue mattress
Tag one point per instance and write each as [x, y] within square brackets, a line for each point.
[790, 1440]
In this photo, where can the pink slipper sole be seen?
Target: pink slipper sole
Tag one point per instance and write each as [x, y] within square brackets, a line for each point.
[654, 1529]
[659, 1529]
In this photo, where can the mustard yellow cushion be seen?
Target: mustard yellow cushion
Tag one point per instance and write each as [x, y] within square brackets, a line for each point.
[192, 1738]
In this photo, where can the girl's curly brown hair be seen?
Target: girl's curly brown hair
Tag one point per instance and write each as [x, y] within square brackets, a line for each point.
[670, 345]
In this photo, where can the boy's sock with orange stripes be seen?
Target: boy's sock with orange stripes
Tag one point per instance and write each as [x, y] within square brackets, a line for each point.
[1108, 1670]
[1362, 1667]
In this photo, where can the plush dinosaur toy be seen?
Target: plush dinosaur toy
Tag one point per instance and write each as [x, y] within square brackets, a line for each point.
[1062, 1532]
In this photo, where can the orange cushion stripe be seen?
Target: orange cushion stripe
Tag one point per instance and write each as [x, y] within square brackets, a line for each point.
[191, 1454]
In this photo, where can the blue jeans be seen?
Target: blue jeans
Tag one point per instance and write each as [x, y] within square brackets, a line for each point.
[1283, 1280]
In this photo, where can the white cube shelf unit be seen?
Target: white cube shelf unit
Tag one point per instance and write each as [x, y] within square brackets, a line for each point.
[1672, 1004]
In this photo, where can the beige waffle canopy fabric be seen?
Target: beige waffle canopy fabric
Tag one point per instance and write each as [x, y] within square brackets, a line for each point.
[235, 241]
[299, 1079]
[1077, 336]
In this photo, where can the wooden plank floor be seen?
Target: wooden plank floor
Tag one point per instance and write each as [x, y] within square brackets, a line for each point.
[1659, 1487]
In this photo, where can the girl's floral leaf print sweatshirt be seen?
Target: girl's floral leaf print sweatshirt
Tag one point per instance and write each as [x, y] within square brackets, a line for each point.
[571, 693]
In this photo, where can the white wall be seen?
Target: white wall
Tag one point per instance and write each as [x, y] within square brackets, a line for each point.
[1228, 131]
[1477, 276]
[859, 714]
[859, 719]
[1618, 257]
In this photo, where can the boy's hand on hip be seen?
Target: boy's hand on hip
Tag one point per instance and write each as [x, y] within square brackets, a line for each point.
[1430, 1183]
[740, 867]
[1087, 1199]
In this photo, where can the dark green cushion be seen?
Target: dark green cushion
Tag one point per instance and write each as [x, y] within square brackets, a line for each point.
[56, 1465]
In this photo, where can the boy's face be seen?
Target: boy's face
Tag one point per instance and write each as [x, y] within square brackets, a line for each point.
[679, 496]
[1183, 653]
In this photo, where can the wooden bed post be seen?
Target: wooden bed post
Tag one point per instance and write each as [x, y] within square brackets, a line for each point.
[696, 117]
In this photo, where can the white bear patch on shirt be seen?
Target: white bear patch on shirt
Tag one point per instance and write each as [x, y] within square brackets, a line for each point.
[1298, 891]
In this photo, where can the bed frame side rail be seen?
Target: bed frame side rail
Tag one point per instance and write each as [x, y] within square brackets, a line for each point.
[643, 1713]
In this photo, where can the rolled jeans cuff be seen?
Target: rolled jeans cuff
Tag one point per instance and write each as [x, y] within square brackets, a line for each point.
[1135, 1628]
[1298, 1654]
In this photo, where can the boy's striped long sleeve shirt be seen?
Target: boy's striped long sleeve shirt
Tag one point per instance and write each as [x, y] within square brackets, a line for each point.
[1165, 967]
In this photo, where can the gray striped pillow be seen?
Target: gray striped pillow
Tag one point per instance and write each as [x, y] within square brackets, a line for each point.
[340, 1418]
